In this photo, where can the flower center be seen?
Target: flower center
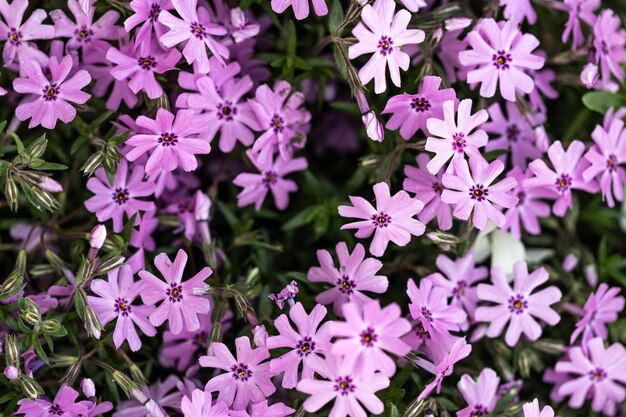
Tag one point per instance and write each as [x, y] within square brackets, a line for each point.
[517, 304]
[459, 289]
[420, 331]
[420, 104]
[122, 306]
[512, 132]
[56, 410]
[226, 111]
[344, 385]
[147, 62]
[563, 183]
[241, 372]
[305, 346]
[381, 219]
[120, 196]
[277, 123]
[427, 314]
[479, 411]
[368, 337]
[14, 36]
[521, 196]
[478, 192]
[385, 45]
[50, 92]
[168, 139]
[155, 9]
[611, 163]
[438, 188]
[458, 142]
[501, 59]
[198, 30]
[175, 292]
[597, 374]
[83, 34]
[269, 178]
[346, 285]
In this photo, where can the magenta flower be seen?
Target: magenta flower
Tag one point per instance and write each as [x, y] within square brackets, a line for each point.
[18, 35]
[192, 212]
[457, 278]
[171, 140]
[567, 174]
[147, 15]
[52, 97]
[501, 53]
[383, 33]
[429, 305]
[200, 405]
[115, 301]
[518, 10]
[594, 372]
[350, 386]
[269, 178]
[224, 109]
[391, 220]
[369, 334]
[411, 111]
[181, 304]
[579, 10]
[353, 275]
[122, 197]
[140, 67]
[459, 351]
[476, 192]
[518, 305]
[606, 158]
[427, 188]
[85, 33]
[64, 404]
[199, 36]
[609, 43]
[157, 396]
[532, 410]
[300, 7]
[602, 307]
[454, 139]
[304, 344]
[246, 379]
[263, 410]
[481, 395]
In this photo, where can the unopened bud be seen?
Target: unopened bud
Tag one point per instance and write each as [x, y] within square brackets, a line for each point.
[125, 383]
[154, 409]
[50, 185]
[542, 141]
[570, 262]
[12, 285]
[45, 199]
[457, 23]
[29, 311]
[92, 323]
[591, 274]
[57, 263]
[88, 387]
[51, 326]
[30, 387]
[259, 334]
[590, 75]
[97, 236]
[11, 372]
[10, 193]
[11, 350]
[110, 263]
[71, 373]
[93, 163]
[373, 127]
[137, 375]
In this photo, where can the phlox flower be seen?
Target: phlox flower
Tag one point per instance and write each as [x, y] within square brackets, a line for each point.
[112, 201]
[189, 80]
[196, 29]
[161, 394]
[246, 379]
[518, 10]
[262, 409]
[459, 351]
[453, 139]
[607, 157]
[476, 193]
[64, 404]
[414, 5]
[52, 97]
[610, 45]
[241, 26]
[429, 305]
[481, 395]
[517, 305]
[594, 372]
[199, 405]
[180, 302]
[383, 33]
[532, 410]
[300, 7]
[352, 388]
[141, 237]
[305, 343]
[391, 220]
[115, 301]
[192, 211]
[579, 10]
[368, 334]
[147, 15]
[171, 140]
[501, 53]
[602, 307]
[411, 111]
[353, 275]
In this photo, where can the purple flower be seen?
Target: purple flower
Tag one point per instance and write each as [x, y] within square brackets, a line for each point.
[481, 395]
[609, 43]
[411, 111]
[460, 350]
[158, 395]
[518, 305]
[198, 33]
[246, 379]
[501, 53]
[579, 10]
[532, 410]
[263, 410]
[200, 405]
[181, 304]
[476, 193]
[594, 372]
[112, 201]
[304, 344]
[353, 275]
[146, 14]
[391, 220]
[602, 307]
[300, 7]
[350, 386]
[171, 139]
[64, 404]
[382, 34]
[52, 97]
[192, 213]
[115, 301]
[454, 139]
[287, 294]
[518, 10]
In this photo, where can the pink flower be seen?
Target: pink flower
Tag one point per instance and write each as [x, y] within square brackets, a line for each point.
[609, 43]
[192, 211]
[115, 301]
[141, 67]
[263, 410]
[197, 34]
[246, 379]
[411, 111]
[428, 188]
[350, 386]
[52, 97]
[300, 7]
[476, 193]
[452, 139]
[122, 197]
[64, 404]
[567, 174]
[373, 127]
[518, 304]
[270, 178]
[369, 334]
[590, 75]
[501, 52]
[146, 14]
[353, 275]
[460, 350]
[224, 109]
[579, 10]
[602, 307]
[518, 10]
[171, 140]
[383, 37]
[606, 158]
[304, 344]
[481, 395]
[200, 405]
[532, 410]
[391, 220]
[181, 304]
[594, 372]
[242, 27]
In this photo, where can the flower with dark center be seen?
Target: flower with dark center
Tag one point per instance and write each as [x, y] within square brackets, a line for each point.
[50, 92]
[120, 196]
[226, 111]
[241, 372]
[168, 139]
[344, 385]
[459, 290]
[174, 292]
[346, 285]
[305, 346]
[14, 36]
[381, 219]
[122, 306]
[597, 375]
[501, 60]
[55, 410]
[458, 142]
[420, 104]
[385, 45]
[147, 62]
[420, 331]
[479, 411]
[611, 163]
[155, 9]
[563, 183]
[513, 132]
[277, 123]
[521, 196]
[427, 314]
[438, 187]
[83, 34]
[368, 337]
[478, 192]
[269, 178]
[517, 304]
[198, 30]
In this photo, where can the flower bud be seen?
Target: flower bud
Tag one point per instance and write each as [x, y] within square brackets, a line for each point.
[97, 236]
[51, 326]
[50, 185]
[124, 382]
[93, 163]
[137, 375]
[12, 285]
[259, 334]
[154, 409]
[109, 264]
[44, 198]
[10, 193]
[364, 107]
[71, 373]
[11, 372]
[202, 206]
[30, 387]
[373, 127]
[590, 76]
[11, 350]
[457, 23]
[88, 387]
[542, 141]
[570, 262]
[591, 274]
[92, 323]
[29, 311]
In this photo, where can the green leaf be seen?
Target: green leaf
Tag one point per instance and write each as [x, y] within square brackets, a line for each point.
[336, 16]
[78, 143]
[601, 101]
[341, 65]
[128, 228]
[39, 349]
[18, 142]
[47, 166]
[304, 217]
[100, 119]
[3, 125]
